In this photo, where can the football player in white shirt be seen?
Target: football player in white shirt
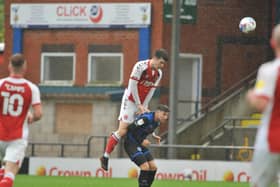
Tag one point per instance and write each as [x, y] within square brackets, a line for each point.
[17, 95]
[144, 79]
[265, 97]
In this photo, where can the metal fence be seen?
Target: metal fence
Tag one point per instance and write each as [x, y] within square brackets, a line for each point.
[189, 152]
[65, 149]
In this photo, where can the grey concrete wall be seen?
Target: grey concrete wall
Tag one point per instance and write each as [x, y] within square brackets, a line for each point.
[105, 120]
[235, 137]
[192, 133]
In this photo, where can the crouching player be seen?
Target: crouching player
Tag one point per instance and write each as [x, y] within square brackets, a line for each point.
[136, 144]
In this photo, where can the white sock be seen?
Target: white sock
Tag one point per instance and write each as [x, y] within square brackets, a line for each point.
[106, 155]
[116, 134]
[9, 175]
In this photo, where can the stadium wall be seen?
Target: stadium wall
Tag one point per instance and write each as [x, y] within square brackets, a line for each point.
[228, 56]
[73, 113]
[124, 168]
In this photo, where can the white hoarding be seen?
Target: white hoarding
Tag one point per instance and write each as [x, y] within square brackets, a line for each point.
[167, 169]
[81, 15]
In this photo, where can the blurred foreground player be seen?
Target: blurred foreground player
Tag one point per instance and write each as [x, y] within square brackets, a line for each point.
[17, 95]
[265, 97]
[136, 144]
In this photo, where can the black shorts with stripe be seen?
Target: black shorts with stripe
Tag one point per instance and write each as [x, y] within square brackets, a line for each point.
[137, 153]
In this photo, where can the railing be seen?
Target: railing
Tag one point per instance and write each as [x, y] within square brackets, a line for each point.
[236, 89]
[94, 137]
[205, 152]
[213, 134]
[228, 134]
[237, 120]
[229, 123]
[233, 91]
[62, 146]
[189, 104]
[201, 152]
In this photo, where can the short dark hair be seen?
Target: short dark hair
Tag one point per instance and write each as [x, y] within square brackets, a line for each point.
[17, 60]
[163, 108]
[161, 53]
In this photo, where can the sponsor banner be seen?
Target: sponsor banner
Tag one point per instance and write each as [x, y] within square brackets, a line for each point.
[80, 15]
[167, 169]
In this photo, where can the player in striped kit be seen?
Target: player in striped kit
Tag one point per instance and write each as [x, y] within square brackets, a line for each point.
[265, 97]
[144, 79]
[17, 95]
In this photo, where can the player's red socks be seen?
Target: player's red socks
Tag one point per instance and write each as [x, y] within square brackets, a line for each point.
[113, 141]
[7, 180]
[2, 172]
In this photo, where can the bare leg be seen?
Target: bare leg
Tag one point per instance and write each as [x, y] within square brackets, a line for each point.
[11, 170]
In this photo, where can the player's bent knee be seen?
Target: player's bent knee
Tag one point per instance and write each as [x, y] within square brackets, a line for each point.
[153, 167]
[122, 132]
[145, 166]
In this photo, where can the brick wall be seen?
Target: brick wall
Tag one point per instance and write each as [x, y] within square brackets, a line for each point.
[81, 40]
[128, 38]
[215, 20]
[104, 112]
[218, 21]
[228, 55]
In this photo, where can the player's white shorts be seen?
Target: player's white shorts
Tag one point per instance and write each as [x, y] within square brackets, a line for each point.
[13, 151]
[265, 167]
[128, 110]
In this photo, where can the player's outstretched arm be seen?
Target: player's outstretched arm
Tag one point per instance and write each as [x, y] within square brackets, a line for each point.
[156, 137]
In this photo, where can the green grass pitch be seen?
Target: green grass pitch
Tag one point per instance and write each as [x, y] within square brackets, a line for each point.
[51, 181]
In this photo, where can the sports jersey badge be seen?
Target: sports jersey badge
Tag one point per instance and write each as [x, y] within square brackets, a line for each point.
[140, 122]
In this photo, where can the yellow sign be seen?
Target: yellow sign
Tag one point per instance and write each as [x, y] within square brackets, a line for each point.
[260, 84]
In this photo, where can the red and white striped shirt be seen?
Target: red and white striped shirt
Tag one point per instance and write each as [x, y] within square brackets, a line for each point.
[147, 79]
[17, 95]
[268, 87]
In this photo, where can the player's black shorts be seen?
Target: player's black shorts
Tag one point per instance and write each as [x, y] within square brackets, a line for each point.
[137, 153]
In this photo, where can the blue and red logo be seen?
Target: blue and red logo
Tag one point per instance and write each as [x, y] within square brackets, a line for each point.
[96, 13]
